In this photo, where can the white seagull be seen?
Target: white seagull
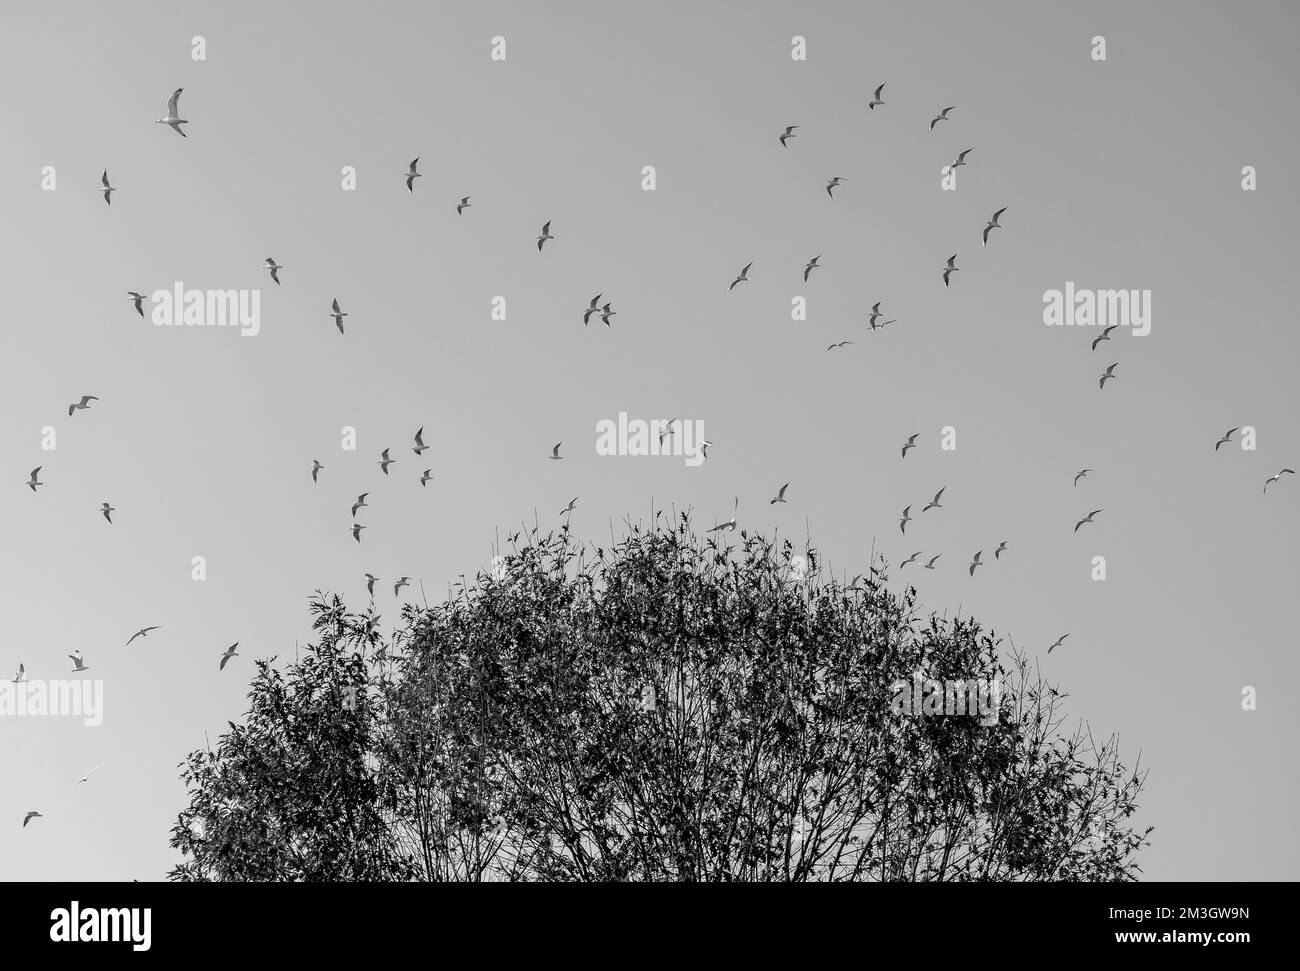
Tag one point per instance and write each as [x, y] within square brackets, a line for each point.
[1058, 643]
[361, 502]
[337, 314]
[83, 404]
[950, 268]
[33, 482]
[993, 223]
[832, 184]
[426, 478]
[401, 582]
[941, 116]
[86, 777]
[813, 264]
[976, 562]
[555, 452]
[1110, 373]
[463, 204]
[419, 442]
[731, 523]
[138, 300]
[275, 268]
[1274, 478]
[1086, 519]
[412, 175]
[788, 133]
[1105, 336]
[230, 652]
[78, 664]
[107, 510]
[108, 190]
[743, 277]
[546, 234]
[172, 118]
[1227, 437]
[934, 503]
[573, 504]
[592, 308]
[315, 467]
[911, 443]
[142, 632]
[30, 816]
[385, 461]
[875, 98]
[780, 495]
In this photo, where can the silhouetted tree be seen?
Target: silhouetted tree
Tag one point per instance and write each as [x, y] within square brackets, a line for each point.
[670, 709]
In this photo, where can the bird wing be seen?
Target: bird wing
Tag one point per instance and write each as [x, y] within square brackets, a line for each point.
[173, 104]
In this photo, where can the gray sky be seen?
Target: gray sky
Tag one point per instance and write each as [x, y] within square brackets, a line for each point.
[1122, 174]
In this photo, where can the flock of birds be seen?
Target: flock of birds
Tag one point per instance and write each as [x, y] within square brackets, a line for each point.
[604, 310]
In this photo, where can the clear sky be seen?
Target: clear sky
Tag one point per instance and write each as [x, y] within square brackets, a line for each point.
[1123, 173]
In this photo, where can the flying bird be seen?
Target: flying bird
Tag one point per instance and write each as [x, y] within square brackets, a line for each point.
[337, 314]
[812, 265]
[361, 501]
[230, 652]
[961, 159]
[993, 223]
[33, 482]
[315, 468]
[933, 560]
[419, 442]
[546, 234]
[911, 443]
[385, 461]
[172, 117]
[934, 503]
[667, 429]
[941, 116]
[142, 632]
[412, 175]
[780, 495]
[83, 404]
[840, 344]
[1086, 519]
[911, 559]
[107, 510]
[997, 553]
[743, 277]
[30, 816]
[555, 452]
[788, 133]
[950, 268]
[592, 308]
[108, 190]
[463, 204]
[731, 523]
[1105, 336]
[356, 531]
[426, 478]
[704, 448]
[1274, 478]
[573, 504]
[605, 314]
[1227, 437]
[138, 300]
[976, 562]
[275, 269]
[1110, 373]
[832, 184]
[21, 676]
[78, 664]
[907, 518]
[371, 580]
[86, 777]
[1058, 643]
[875, 98]
[1080, 474]
[401, 582]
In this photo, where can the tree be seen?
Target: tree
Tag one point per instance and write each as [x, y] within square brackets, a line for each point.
[671, 709]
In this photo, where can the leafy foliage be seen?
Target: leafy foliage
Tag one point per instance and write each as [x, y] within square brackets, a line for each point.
[672, 709]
